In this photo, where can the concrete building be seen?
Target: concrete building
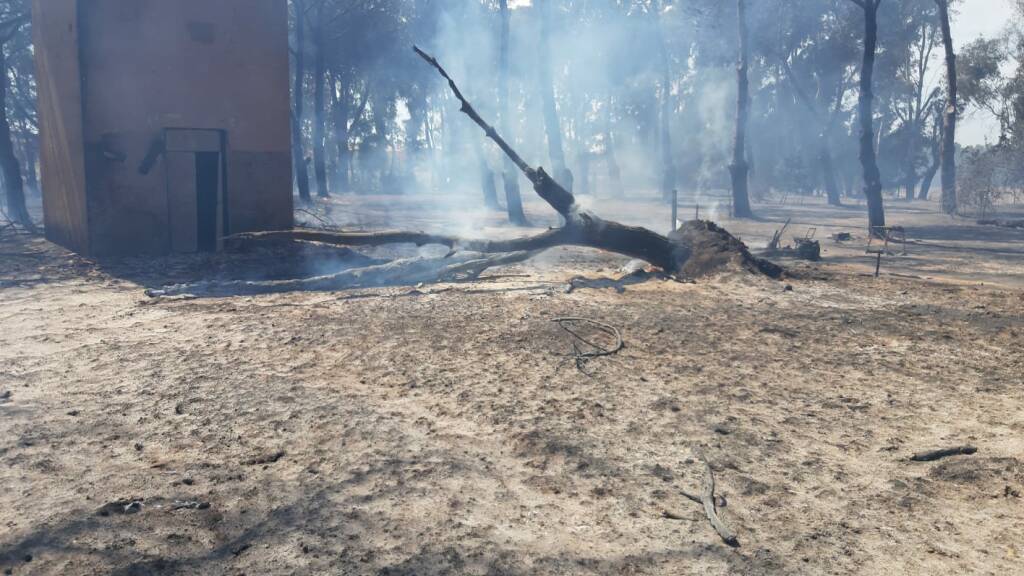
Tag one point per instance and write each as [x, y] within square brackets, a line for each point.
[164, 123]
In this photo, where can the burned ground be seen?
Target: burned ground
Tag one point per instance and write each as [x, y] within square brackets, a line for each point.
[446, 429]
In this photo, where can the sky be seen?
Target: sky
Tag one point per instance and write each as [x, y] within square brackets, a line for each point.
[979, 18]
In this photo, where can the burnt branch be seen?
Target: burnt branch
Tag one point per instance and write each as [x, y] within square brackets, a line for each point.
[710, 509]
[933, 455]
[410, 271]
[468, 110]
[553, 193]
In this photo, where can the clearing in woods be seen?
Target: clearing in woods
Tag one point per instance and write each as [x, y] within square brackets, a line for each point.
[446, 429]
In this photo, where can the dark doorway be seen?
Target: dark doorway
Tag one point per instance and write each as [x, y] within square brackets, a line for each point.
[195, 189]
[207, 190]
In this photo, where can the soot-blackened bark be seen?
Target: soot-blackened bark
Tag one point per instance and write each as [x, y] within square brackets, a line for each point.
[14, 187]
[865, 110]
[936, 159]
[948, 148]
[739, 170]
[487, 184]
[298, 152]
[611, 160]
[552, 127]
[319, 107]
[340, 113]
[509, 176]
[668, 166]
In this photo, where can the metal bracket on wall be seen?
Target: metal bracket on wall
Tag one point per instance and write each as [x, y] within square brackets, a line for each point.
[156, 149]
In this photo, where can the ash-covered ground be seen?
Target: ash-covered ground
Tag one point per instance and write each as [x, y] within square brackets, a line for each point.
[446, 429]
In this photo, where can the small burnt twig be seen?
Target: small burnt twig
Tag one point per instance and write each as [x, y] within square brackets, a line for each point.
[323, 221]
[9, 223]
[710, 502]
[691, 497]
[708, 499]
[265, 459]
[596, 350]
[942, 453]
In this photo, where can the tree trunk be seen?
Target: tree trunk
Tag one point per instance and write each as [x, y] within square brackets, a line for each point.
[14, 187]
[948, 149]
[340, 113]
[583, 172]
[417, 106]
[378, 164]
[929, 176]
[552, 127]
[739, 170]
[668, 168]
[509, 176]
[868, 162]
[298, 152]
[910, 176]
[614, 172]
[31, 149]
[319, 111]
[936, 156]
[487, 184]
[828, 173]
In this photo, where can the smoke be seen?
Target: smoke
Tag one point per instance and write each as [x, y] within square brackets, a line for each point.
[607, 64]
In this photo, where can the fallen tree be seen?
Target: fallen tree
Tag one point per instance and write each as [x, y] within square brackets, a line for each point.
[462, 266]
[695, 249]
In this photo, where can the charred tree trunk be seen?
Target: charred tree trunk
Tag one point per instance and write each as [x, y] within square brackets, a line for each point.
[340, 114]
[298, 147]
[358, 121]
[378, 157]
[668, 167]
[583, 171]
[828, 173]
[948, 148]
[31, 149]
[510, 178]
[868, 161]
[552, 127]
[547, 188]
[910, 176]
[319, 106]
[929, 177]
[582, 228]
[487, 183]
[14, 187]
[739, 170]
[936, 156]
[417, 105]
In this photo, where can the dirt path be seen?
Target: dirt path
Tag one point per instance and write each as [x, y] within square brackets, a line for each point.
[446, 430]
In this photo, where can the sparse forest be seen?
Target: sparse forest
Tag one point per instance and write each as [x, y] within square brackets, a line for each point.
[620, 99]
[624, 98]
